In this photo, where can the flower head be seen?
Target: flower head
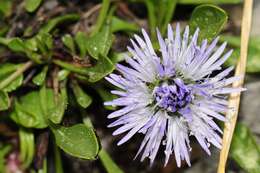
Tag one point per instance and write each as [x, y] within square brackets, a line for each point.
[172, 95]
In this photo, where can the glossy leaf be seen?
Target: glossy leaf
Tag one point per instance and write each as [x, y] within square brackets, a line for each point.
[100, 43]
[103, 67]
[209, 19]
[81, 40]
[27, 115]
[63, 74]
[53, 107]
[82, 98]
[244, 149]
[4, 101]
[78, 140]
[6, 70]
[40, 77]
[108, 163]
[93, 74]
[68, 41]
[32, 5]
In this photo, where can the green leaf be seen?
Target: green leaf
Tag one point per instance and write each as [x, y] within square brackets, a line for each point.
[6, 7]
[20, 46]
[81, 41]
[31, 44]
[118, 24]
[26, 147]
[32, 5]
[68, 41]
[101, 17]
[210, 1]
[15, 44]
[53, 107]
[40, 77]
[209, 19]
[160, 14]
[78, 140]
[4, 150]
[108, 163]
[103, 67]
[82, 98]
[63, 74]
[52, 23]
[253, 58]
[244, 149]
[4, 101]
[165, 13]
[6, 70]
[28, 113]
[100, 43]
[46, 40]
[152, 20]
[117, 57]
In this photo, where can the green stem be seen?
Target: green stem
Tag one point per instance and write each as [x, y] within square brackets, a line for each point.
[70, 67]
[108, 163]
[58, 161]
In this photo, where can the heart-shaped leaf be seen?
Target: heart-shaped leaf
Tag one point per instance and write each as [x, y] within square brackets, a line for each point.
[78, 140]
[100, 43]
[210, 19]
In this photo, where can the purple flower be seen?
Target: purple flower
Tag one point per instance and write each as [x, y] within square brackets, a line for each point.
[172, 95]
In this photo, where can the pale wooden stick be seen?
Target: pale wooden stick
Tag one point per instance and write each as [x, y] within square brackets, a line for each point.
[235, 97]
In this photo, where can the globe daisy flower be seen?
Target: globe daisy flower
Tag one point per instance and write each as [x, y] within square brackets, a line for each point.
[171, 95]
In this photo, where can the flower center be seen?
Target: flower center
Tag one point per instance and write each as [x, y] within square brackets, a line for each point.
[173, 96]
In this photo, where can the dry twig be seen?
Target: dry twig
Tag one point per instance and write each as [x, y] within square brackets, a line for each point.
[235, 97]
